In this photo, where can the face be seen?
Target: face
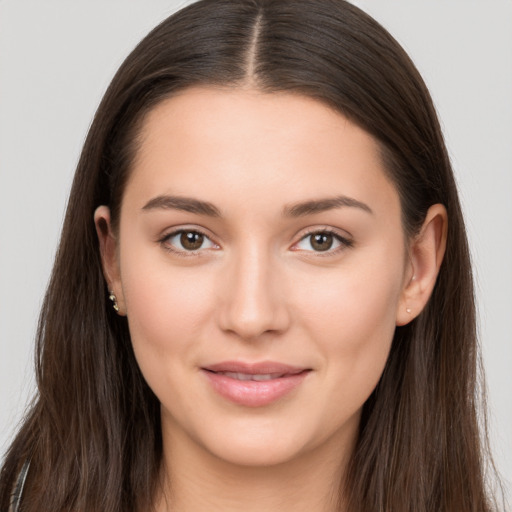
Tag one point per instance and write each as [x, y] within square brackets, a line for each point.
[260, 261]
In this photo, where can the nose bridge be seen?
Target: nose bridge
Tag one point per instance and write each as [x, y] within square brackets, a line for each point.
[253, 302]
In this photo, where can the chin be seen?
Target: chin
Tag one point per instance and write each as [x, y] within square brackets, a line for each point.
[264, 442]
[254, 453]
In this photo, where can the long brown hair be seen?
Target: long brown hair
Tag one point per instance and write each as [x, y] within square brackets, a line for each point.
[93, 433]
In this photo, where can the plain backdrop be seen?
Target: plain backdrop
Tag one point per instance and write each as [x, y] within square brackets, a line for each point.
[56, 59]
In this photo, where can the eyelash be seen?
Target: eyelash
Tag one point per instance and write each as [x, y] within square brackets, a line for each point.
[164, 242]
[343, 241]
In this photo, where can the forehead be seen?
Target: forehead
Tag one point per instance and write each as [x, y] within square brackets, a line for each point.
[260, 148]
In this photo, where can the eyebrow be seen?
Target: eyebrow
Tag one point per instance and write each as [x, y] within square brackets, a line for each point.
[322, 205]
[191, 205]
[186, 204]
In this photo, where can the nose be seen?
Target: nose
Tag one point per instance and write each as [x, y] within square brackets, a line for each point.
[253, 297]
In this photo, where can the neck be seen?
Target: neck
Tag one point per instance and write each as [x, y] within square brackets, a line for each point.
[194, 480]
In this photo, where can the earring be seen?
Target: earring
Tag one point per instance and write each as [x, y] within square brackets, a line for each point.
[113, 298]
[408, 310]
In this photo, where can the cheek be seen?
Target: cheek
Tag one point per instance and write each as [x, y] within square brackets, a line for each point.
[351, 313]
[354, 300]
[167, 309]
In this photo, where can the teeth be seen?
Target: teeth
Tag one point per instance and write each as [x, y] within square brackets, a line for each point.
[249, 376]
[266, 376]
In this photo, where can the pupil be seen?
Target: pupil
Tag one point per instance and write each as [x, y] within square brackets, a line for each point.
[191, 240]
[321, 241]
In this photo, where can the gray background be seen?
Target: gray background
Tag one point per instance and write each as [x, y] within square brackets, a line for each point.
[56, 59]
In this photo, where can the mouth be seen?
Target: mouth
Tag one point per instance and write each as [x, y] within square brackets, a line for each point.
[259, 377]
[254, 385]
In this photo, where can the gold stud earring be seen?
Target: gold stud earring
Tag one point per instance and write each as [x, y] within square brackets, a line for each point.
[113, 298]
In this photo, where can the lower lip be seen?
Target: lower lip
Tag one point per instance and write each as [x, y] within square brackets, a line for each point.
[252, 393]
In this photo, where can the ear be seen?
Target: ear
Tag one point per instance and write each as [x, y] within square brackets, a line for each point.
[108, 253]
[426, 254]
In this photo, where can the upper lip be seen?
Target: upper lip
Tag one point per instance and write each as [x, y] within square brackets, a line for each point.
[259, 368]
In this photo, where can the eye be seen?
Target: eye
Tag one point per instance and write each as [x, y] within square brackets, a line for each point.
[322, 241]
[187, 241]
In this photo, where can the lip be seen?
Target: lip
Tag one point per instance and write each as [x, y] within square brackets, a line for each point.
[275, 380]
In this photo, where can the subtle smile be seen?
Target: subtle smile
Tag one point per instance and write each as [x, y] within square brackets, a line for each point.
[254, 385]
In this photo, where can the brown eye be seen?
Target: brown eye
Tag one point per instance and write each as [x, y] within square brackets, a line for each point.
[321, 241]
[191, 240]
[187, 241]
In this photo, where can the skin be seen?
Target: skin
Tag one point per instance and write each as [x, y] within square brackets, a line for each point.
[257, 290]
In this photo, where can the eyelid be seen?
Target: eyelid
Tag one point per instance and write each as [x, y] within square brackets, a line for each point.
[172, 232]
[346, 242]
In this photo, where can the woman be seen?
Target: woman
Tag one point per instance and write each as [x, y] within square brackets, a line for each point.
[262, 297]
